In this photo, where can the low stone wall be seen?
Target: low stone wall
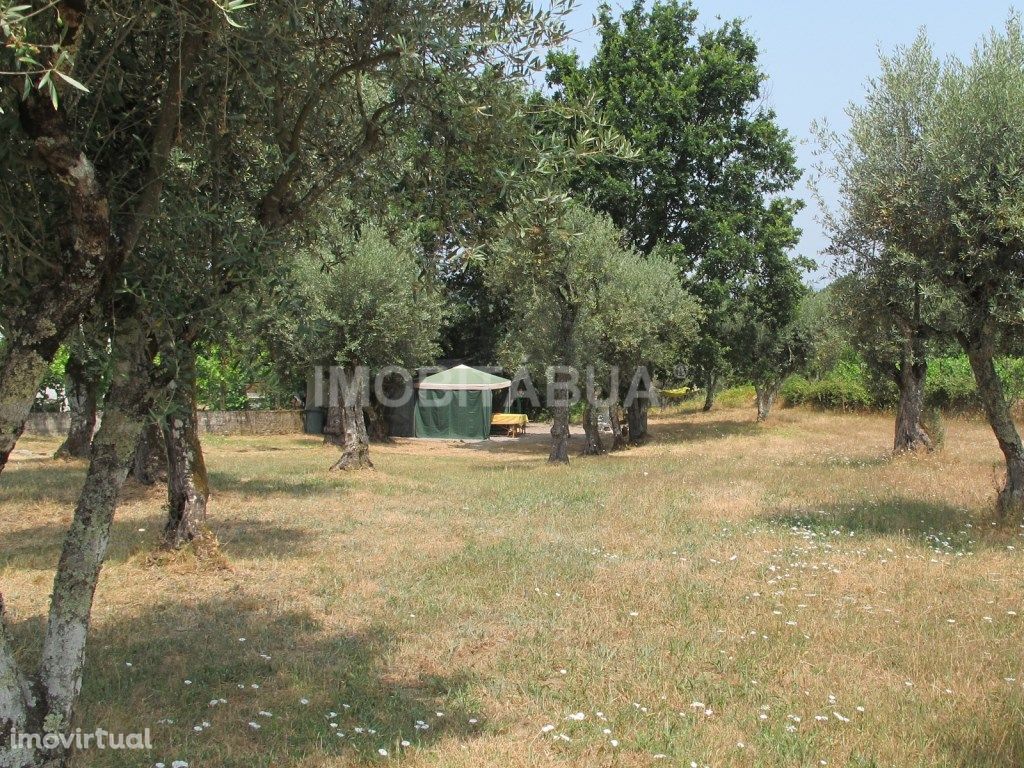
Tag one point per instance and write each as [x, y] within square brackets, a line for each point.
[250, 422]
[212, 422]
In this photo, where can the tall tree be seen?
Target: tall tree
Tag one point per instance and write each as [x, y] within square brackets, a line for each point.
[887, 300]
[931, 178]
[83, 174]
[361, 304]
[973, 197]
[708, 157]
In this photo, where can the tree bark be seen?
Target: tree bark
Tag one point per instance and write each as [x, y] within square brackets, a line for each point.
[149, 465]
[709, 395]
[981, 354]
[82, 390]
[910, 435]
[356, 451]
[766, 394]
[334, 428]
[593, 445]
[636, 415]
[22, 368]
[90, 258]
[188, 487]
[50, 698]
[559, 453]
[619, 440]
[378, 423]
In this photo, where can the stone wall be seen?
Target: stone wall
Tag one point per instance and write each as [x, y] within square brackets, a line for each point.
[212, 422]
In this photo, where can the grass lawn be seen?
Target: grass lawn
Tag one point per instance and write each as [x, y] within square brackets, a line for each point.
[728, 595]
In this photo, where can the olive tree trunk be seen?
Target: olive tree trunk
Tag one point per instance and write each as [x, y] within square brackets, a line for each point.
[49, 697]
[619, 440]
[188, 488]
[766, 392]
[636, 415]
[981, 354]
[355, 452]
[22, 368]
[711, 385]
[559, 453]
[85, 271]
[334, 427]
[149, 465]
[592, 445]
[910, 435]
[82, 390]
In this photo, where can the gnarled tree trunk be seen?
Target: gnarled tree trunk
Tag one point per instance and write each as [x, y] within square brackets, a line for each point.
[188, 488]
[766, 393]
[51, 696]
[592, 445]
[981, 353]
[82, 390]
[711, 386]
[619, 440]
[22, 368]
[636, 415]
[149, 466]
[355, 453]
[910, 435]
[559, 453]
[334, 427]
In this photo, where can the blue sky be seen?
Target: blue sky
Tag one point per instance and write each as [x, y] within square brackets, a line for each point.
[818, 56]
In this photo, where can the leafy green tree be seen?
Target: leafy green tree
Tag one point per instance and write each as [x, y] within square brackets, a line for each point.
[930, 183]
[645, 320]
[886, 300]
[710, 166]
[553, 268]
[358, 304]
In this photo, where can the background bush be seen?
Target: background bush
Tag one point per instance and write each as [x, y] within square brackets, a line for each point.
[850, 385]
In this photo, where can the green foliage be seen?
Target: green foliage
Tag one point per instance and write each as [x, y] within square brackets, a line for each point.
[54, 380]
[581, 298]
[741, 396]
[226, 372]
[711, 166]
[358, 301]
[950, 386]
[844, 388]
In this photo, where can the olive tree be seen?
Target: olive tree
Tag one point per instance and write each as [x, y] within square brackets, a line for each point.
[887, 298]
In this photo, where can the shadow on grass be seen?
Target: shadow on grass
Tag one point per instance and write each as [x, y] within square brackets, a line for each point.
[697, 431]
[326, 483]
[939, 524]
[987, 738]
[38, 547]
[43, 479]
[273, 666]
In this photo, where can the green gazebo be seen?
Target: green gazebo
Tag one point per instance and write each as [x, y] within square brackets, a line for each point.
[456, 404]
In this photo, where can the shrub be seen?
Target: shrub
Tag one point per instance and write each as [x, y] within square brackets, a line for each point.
[950, 384]
[844, 388]
[736, 397]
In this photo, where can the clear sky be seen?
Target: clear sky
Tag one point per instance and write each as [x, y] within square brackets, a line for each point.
[819, 53]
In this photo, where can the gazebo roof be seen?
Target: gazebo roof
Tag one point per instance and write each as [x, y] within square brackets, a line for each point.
[462, 377]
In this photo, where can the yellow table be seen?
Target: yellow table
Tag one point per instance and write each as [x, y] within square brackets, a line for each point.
[514, 423]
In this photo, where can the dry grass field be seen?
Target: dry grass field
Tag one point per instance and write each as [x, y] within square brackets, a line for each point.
[728, 595]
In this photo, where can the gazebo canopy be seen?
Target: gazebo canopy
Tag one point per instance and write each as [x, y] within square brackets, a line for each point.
[462, 377]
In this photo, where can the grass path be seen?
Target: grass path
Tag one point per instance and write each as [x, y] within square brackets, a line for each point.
[728, 595]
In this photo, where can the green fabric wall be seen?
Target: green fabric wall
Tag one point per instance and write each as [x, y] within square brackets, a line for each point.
[453, 415]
